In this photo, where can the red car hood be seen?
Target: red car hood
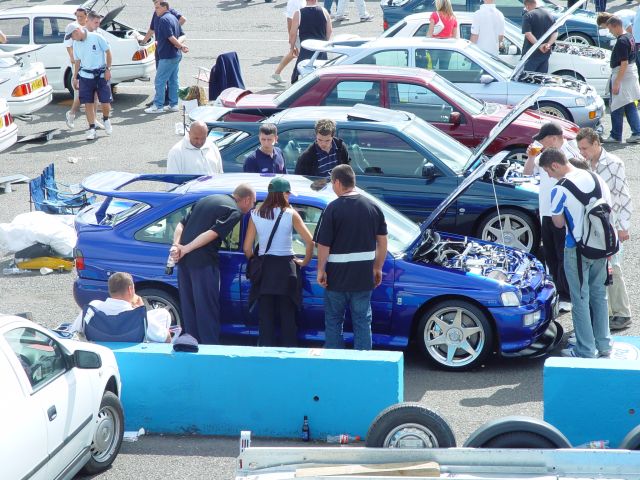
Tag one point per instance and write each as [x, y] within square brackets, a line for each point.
[530, 121]
[237, 97]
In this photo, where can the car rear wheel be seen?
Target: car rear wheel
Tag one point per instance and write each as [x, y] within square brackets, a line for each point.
[578, 38]
[555, 110]
[512, 228]
[455, 335]
[107, 438]
[157, 298]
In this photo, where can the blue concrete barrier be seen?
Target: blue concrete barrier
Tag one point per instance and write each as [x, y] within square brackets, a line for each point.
[222, 390]
[595, 399]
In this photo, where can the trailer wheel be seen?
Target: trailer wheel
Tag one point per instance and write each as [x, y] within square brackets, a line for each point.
[409, 425]
[631, 441]
[517, 432]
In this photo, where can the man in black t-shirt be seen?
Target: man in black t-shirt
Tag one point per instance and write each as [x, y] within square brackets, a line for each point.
[352, 246]
[195, 245]
[535, 23]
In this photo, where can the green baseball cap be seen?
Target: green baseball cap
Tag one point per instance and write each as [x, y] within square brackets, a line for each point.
[279, 184]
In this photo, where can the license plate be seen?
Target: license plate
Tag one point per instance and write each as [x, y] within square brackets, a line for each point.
[151, 48]
[36, 84]
[1, 122]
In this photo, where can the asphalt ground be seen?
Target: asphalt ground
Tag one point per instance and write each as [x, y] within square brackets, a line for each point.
[257, 31]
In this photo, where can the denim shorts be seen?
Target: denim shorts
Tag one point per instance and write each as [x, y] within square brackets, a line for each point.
[89, 86]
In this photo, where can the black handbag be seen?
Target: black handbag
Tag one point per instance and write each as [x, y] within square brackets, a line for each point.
[254, 265]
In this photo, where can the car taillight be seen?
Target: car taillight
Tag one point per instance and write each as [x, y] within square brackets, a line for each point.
[21, 90]
[140, 55]
[8, 119]
[78, 258]
[385, 25]
[45, 81]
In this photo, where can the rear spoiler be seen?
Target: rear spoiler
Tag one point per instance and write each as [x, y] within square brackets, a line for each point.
[16, 52]
[211, 114]
[343, 47]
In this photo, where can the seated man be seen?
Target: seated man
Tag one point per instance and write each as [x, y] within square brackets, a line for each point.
[123, 298]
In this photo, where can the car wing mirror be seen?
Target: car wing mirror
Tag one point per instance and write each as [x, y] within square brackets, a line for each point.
[513, 50]
[454, 118]
[86, 359]
[429, 171]
[486, 79]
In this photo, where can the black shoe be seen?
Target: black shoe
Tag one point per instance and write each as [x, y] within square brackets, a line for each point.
[148, 104]
[619, 323]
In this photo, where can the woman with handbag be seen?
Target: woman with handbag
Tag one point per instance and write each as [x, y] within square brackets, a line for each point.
[274, 272]
[442, 24]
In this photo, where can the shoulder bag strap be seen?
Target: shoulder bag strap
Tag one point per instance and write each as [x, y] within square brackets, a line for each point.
[273, 231]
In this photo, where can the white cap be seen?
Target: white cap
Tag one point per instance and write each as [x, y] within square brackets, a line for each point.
[68, 31]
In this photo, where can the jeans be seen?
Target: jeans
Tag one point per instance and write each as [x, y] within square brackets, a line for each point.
[335, 304]
[617, 116]
[537, 63]
[328, 4]
[590, 311]
[167, 72]
[601, 5]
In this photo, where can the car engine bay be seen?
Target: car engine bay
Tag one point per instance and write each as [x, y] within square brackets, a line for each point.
[554, 81]
[579, 50]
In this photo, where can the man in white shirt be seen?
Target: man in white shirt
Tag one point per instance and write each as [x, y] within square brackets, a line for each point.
[553, 239]
[487, 27]
[587, 277]
[122, 298]
[195, 154]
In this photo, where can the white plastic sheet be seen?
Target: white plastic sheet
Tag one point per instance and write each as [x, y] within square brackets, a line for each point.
[30, 228]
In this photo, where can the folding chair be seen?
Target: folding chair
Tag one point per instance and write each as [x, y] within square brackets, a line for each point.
[73, 195]
[127, 326]
[38, 200]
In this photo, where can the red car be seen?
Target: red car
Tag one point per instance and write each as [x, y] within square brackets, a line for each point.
[422, 92]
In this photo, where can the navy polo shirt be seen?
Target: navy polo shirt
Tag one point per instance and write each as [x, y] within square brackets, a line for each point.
[260, 162]
[167, 26]
[154, 20]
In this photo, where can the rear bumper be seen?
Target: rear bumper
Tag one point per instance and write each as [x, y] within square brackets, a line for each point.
[142, 70]
[30, 103]
[85, 290]
[8, 136]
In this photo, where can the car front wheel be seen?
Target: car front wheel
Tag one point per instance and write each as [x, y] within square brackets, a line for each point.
[511, 228]
[555, 110]
[107, 438]
[455, 335]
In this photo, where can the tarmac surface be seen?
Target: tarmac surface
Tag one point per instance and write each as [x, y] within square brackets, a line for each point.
[257, 31]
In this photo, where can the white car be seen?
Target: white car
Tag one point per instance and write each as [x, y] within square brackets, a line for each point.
[8, 128]
[586, 63]
[60, 407]
[45, 25]
[24, 85]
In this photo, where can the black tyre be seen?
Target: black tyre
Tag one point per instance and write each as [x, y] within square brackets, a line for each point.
[107, 438]
[518, 154]
[455, 335]
[517, 432]
[158, 298]
[67, 81]
[631, 441]
[555, 110]
[513, 228]
[578, 38]
[409, 425]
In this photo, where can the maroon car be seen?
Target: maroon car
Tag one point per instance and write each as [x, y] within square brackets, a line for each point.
[422, 92]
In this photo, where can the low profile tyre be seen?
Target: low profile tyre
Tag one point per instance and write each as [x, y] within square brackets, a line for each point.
[409, 425]
[555, 110]
[107, 438]
[157, 298]
[578, 38]
[455, 335]
[512, 228]
[517, 432]
[631, 441]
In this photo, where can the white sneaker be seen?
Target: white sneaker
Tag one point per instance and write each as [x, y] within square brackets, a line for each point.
[91, 134]
[99, 126]
[108, 129]
[277, 78]
[571, 341]
[173, 108]
[153, 109]
[70, 117]
[564, 306]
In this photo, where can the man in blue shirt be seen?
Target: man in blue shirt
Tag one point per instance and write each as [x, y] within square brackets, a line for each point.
[91, 75]
[169, 55]
[267, 158]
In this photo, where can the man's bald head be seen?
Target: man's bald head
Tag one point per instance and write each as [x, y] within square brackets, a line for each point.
[198, 132]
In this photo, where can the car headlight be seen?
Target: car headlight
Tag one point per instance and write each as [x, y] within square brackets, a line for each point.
[531, 318]
[581, 102]
[510, 299]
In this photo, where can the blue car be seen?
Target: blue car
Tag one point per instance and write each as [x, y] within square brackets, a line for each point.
[580, 28]
[459, 298]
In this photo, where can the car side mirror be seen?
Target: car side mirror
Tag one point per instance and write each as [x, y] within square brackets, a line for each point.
[454, 118]
[486, 79]
[429, 171]
[86, 359]
[513, 50]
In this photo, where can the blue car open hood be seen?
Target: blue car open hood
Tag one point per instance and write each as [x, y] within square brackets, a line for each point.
[479, 171]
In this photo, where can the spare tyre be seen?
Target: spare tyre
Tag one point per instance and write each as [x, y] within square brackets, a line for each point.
[631, 441]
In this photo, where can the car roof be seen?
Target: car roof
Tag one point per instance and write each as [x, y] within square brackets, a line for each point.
[460, 16]
[6, 320]
[375, 70]
[357, 113]
[459, 43]
[42, 9]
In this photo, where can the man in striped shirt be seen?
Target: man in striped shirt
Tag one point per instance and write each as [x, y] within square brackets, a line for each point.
[325, 153]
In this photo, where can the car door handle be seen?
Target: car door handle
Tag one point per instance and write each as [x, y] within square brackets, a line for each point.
[52, 413]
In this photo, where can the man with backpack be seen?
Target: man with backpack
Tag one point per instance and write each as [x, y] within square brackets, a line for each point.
[580, 201]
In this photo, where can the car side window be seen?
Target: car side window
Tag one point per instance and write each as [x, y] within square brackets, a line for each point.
[387, 58]
[293, 142]
[381, 153]
[465, 31]
[453, 66]
[310, 217]
[16, 30]
[349, 93]
[41, 357]
[422, 31]
[419, 100]
[49, 30]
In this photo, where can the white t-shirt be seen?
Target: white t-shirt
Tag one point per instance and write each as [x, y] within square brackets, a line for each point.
[570, 150]
[488, 24]
[293, 6]
[563, 202]
[281, 244]
[185, 159]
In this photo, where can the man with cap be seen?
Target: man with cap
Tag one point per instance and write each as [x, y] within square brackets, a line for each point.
[196, 242]
[553, 238]
[91, 75]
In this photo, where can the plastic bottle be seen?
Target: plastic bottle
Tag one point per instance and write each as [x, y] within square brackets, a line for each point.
[170, 262]
[343, 438]
[12, 271]
[600, 444]
[306, 433]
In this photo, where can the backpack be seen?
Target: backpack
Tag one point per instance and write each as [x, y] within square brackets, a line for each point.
[599, 236]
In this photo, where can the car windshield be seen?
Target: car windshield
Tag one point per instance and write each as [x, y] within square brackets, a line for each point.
[468, 103]
[494, 61]
[449, 151]
[292, 92]
[223, 139]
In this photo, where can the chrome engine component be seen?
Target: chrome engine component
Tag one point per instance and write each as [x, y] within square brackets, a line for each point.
[555, 81]
[579, 50]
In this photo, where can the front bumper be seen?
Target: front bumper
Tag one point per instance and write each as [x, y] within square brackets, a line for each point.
[590, 115]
